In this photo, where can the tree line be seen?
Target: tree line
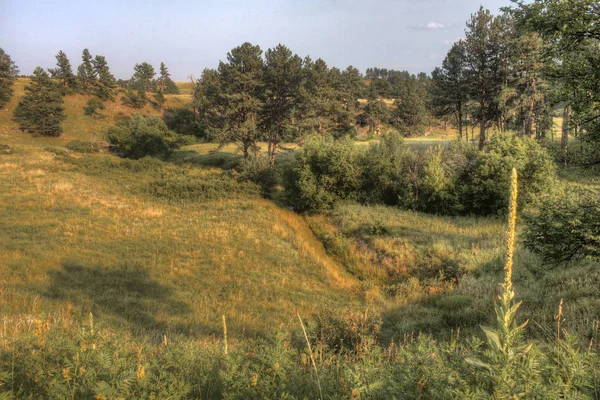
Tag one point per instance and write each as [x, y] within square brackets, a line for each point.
[41, 109]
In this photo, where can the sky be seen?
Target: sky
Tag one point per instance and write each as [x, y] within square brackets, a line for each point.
[189, 35]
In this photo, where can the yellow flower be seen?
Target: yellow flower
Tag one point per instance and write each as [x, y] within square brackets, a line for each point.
[140, 372]
[66, 373]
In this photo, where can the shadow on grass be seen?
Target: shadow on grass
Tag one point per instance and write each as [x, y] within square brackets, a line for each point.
[223, 160]
[126, 294]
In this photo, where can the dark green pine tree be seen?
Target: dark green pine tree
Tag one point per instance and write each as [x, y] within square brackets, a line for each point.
[159, 99]
[235, 102]
[410, 114]
[318, 99]
[485, 60]
[282, 78]
[41, 110]
[8, 75]
[375, 113]
[143, 76]
[64, 73]
[86, 73]
[106, 84]
[449, 89]
[165, 83]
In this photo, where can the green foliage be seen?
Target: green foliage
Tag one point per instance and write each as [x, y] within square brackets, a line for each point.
[386, 172]
[142, 136]
[325, 171]
[64, 73]
[187, 188]
[565, 227]
[260, 171]
[86, 74]
[8, 75]
[142, 76]
[165, 83]
[134, 98]
[483, 189]
[183, 121]
[87, 362]
[41, 110]
[92, 107]
[106, 83]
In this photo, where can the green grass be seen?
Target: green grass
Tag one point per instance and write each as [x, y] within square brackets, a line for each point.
[165, 249]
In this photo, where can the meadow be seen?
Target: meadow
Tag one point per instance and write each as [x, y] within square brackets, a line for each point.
[163, 261]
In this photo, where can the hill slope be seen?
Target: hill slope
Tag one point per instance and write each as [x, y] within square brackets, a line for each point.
[92, 233]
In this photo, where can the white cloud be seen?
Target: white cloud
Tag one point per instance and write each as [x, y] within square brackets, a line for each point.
[434, 25]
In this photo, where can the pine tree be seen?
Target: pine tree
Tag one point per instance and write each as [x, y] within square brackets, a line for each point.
[410, 114]
[105, 85]
[282, 78]
[165, 83]
[485, 60]
[318, 100]
[449, 90]
[41, 109]
[86, 74]
[8, 75]
[159, 99]
[143, 76]
[234, 100]
[64, 73]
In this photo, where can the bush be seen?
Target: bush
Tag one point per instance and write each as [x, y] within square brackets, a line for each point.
[565, 227]
[134, 99]
[324, 171]
[260, 171]
[484, 188]
[183, 121]
[198, 188]
[187, 140]
[93, 105]
[386, 176]
[142, 136]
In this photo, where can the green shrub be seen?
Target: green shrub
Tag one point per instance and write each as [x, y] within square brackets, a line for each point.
[185, 188]
[187, 140]
[183, 121]
[134, 99]
[387, 175]
[92, 107]
[324, 171]
[484, 187]
[260, 171]
[565, 227]
[142, 136]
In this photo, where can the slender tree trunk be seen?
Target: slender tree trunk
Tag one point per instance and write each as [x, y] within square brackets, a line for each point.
[274, 148]
[482, 132]
[460, 132]
[564, 142]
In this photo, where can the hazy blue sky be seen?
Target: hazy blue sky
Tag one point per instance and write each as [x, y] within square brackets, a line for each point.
[192, 35]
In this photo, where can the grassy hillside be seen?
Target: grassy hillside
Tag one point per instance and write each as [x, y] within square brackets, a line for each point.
[117, 277]
[94, 233]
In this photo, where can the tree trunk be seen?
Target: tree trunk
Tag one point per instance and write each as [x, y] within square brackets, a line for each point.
[564, 142]
[274, 148]
[460, 124]
[481, 133]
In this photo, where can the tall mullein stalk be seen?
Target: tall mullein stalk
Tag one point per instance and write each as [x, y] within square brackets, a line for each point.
[507, 308]
[503, 339]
